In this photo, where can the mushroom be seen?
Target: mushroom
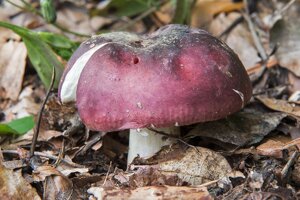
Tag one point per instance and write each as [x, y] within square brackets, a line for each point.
[175, 76]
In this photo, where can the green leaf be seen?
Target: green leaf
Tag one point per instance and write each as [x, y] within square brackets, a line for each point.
[40, 54]
[127, 8]
[18, 126]
[61, 45]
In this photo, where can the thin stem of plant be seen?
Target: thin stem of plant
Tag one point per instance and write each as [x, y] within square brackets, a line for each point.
[37, 129]
[30, 8]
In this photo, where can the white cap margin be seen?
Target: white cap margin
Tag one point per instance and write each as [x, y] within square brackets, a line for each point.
[69, 86]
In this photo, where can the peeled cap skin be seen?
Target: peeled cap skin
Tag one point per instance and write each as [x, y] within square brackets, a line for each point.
[174, 76]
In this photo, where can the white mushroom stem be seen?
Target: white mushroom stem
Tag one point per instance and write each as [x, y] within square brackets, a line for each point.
[146, 143]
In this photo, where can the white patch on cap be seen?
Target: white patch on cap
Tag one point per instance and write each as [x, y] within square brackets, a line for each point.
[69, 86]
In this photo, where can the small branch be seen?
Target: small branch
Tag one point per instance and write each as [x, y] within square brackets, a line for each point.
[72, 164]
[289, 4]
[67, 133]
[231, 26]
[37, 129]
[91, 143]
[106, 176]
[289, 164]
[257, 41]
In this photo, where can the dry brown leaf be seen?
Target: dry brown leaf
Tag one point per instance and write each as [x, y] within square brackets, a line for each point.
[14, 164]
[12, 67]
[280, 105]
[165, 13]
[74, 18]
[239, 39]
[197, 166]
[25, 106]
[194, 165]
[203, 11]
[7, 34]
[14, 186]
[274, 146]
[7, 10]
[57, 186]
[151, 193]
[286, 34]
[28, 20]
[242, 128]
[296, 172]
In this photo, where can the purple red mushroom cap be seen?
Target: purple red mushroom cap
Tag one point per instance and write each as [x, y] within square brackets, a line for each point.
[174, 76]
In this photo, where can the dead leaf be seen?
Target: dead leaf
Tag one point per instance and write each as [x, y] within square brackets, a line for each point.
[25, 106]
[194, 165]
[14, 186]
[203, 11]
[57, 186]
[146, 175]
[239, 39]
[74, 18]
[12, 67]
[296, 172]
[274, 146]
[151, 193]
[243, 128]
[8, 10]
[14, 164]
[286, 34]
[166, 12]
[280, 105]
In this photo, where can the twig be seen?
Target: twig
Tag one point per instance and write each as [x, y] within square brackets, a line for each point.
[37, 129]
[289, 4]
[285, 170]
[90, 143]
[257, 41]
[72, 164]
[71, 130]
[106, 176]
[231, 26]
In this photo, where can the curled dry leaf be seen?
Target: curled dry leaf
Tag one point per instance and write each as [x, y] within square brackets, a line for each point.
[193, 165]
[243, 128]
[151, 193]
[14, 186]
